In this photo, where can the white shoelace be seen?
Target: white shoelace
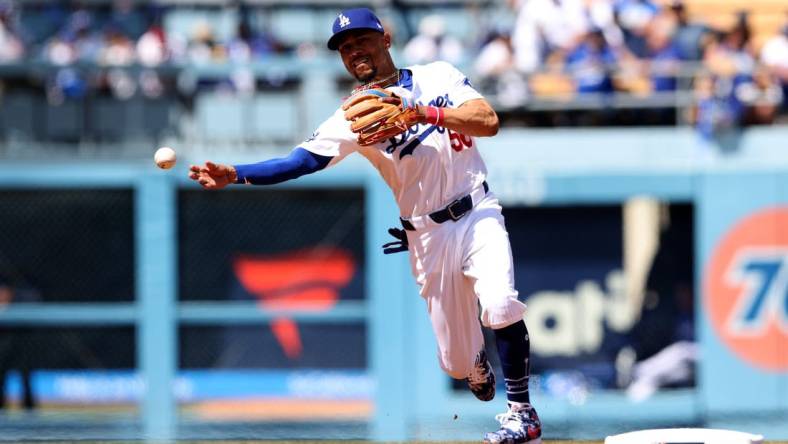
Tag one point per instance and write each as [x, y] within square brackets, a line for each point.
[510, 420]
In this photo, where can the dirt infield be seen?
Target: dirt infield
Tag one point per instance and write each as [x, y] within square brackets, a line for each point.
[367, 442]
[306, 442]
[549, 441]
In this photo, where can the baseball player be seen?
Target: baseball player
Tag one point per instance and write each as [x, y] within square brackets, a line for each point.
[417, 125]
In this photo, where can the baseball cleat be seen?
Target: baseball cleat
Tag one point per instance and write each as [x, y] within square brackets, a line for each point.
[517, 427]
[481, 381]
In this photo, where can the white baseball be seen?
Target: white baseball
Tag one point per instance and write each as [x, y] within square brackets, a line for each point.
[165, 157]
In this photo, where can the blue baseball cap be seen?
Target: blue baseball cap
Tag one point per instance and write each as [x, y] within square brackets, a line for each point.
[357, 18]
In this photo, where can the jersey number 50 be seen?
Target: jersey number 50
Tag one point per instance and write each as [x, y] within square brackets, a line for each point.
[459, 141]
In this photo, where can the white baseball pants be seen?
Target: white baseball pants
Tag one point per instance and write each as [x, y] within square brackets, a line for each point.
[460, 263]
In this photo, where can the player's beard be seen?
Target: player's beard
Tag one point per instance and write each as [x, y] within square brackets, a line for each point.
[367, 77]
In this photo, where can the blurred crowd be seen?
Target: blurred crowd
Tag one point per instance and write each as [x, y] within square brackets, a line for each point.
[122, 33]
[523, 50]
[568, 47]
[117, 35]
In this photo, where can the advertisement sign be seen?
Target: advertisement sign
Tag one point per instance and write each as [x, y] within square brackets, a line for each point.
[746, 289]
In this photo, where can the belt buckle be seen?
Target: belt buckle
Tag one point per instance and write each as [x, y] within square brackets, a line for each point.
[455, 217]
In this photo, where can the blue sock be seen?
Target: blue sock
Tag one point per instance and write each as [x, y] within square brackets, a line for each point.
[514, 350]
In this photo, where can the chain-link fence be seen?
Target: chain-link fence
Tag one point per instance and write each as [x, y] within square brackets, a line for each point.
[279, 248]
[216, 230]
[63, 246]
[68, 245]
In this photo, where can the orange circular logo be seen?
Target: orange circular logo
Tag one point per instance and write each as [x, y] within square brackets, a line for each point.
[746, 289]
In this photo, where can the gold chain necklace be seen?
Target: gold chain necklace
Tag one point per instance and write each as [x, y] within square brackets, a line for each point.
[377, 83]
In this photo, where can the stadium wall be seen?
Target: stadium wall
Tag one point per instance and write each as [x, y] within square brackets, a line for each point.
[736, 186]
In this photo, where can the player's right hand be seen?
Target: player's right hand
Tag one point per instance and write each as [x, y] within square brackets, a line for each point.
[212, 176]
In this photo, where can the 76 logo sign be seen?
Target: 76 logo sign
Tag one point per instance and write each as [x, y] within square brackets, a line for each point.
[745, 291]
[763, 279]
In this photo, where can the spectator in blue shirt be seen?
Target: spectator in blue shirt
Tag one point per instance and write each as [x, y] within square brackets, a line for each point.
[591, 63]
[633, 17]
[662, 53]
[717, 110]
[690, 37]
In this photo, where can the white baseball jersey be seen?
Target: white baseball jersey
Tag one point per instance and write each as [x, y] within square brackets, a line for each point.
[428, 166]
[456, 263]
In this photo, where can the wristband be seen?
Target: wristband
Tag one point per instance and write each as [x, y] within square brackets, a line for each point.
[433, 115]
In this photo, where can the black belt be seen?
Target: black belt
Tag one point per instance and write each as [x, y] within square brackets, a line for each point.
[454, 211]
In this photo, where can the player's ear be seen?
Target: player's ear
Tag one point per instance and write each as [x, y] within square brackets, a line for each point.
[387, 40]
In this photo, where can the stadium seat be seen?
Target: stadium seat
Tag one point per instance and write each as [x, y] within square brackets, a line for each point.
[294, 25]
[274, 116]
[38, 26]
[138, 118]
[64, 122]
[108, 119]
[218, 116]
[324, 18]
[264, 117]
[459, 22]
[17, 116]
[183, 22]
[157, 116]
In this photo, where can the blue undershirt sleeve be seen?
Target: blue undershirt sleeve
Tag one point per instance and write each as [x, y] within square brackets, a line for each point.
[269, 172]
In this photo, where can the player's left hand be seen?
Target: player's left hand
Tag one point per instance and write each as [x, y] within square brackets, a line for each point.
[212, 176]
[378, 114]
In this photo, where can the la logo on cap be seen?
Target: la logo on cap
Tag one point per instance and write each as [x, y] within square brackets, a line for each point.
[343, 21]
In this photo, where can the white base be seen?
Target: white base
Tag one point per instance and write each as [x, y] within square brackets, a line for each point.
[685, 436]
[533, 441]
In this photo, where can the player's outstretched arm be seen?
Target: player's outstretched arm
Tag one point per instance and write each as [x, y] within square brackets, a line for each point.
[298, 163]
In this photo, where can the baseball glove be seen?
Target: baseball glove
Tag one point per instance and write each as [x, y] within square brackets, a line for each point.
[376, 115]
